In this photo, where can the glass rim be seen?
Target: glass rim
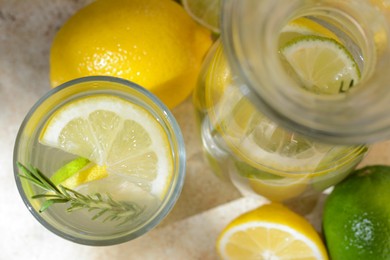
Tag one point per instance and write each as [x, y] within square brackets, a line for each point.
[171, 195]
[356, 117]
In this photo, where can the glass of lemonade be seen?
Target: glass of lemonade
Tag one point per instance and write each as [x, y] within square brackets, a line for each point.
[99, 161]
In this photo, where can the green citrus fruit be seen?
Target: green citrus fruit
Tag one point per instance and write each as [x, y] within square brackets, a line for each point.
[356, 217]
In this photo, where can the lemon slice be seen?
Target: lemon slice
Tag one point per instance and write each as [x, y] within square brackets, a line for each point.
[92, 172]
[279, 190]
[270, 232]
[323, 65]
[255, 138]
[205, 12]
[120, 137]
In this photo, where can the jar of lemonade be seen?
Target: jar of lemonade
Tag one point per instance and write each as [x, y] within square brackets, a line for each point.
[317, 67]
[292, 92]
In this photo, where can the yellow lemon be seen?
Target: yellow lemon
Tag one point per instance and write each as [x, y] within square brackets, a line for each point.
[270, 232]
[153, 43]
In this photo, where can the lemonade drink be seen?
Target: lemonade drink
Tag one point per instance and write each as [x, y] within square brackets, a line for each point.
[251, 33]
[254, 152]
[110, 141]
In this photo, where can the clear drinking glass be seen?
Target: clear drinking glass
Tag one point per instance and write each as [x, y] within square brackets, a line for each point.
[78, 226]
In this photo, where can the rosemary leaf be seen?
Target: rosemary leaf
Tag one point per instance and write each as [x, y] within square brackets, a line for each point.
[44, 180]
[100, 213]
[46, 205]
[38, 196]
[105, 205]
[33, 180]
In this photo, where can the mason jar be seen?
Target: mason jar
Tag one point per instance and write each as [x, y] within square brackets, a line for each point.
[274, 117]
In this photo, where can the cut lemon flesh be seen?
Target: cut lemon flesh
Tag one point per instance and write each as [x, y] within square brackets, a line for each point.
[92, 172]
[117, 135]
[270, 232]
[322, 64]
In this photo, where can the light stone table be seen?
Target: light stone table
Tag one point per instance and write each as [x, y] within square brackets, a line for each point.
[206, 205]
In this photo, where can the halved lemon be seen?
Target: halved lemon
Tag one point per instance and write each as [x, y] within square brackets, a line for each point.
[270, 232]
[120, 137]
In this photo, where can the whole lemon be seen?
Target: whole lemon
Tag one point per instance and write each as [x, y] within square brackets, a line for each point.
[153, 43]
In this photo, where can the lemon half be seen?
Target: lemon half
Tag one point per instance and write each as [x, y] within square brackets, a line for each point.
[270, 232]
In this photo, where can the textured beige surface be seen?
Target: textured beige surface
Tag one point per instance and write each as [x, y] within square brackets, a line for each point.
[205, 206]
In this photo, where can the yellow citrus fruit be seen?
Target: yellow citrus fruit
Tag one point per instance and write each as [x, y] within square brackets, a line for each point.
[125, 141]
[270, 232]
[153, 43]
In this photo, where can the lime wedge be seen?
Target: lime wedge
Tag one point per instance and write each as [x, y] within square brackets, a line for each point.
[322, 64]
[69, 170]
[78, 172]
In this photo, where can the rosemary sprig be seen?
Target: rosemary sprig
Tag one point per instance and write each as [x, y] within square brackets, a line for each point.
[103, 205]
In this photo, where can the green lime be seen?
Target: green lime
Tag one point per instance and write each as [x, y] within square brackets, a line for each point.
[321, 64]
[69, 170]
[356, 220]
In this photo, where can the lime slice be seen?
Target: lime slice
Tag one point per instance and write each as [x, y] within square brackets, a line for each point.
[205, 12]
[323, 65]
[119, 137]
[69, 170]
[273, 186]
